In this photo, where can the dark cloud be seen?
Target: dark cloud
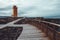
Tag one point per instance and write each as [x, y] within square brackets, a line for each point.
[6, 8]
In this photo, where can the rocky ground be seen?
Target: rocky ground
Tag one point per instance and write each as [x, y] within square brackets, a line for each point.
[29, 32]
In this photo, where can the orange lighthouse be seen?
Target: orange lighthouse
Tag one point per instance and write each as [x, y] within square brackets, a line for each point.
[15, 11]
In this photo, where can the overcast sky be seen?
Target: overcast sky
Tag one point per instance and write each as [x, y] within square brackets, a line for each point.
[31, 8]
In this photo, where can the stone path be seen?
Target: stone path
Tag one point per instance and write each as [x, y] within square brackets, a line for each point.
[29, 32]
[9, 24]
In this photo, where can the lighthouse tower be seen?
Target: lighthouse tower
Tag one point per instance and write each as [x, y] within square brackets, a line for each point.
[15, 11]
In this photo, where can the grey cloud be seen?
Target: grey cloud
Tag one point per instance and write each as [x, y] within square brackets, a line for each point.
[25, 10]
[6, 8]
